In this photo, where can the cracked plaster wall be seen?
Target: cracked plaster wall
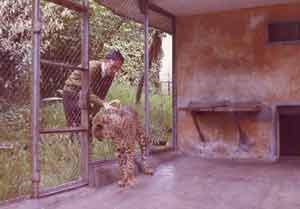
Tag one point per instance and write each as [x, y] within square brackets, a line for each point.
[225, 56]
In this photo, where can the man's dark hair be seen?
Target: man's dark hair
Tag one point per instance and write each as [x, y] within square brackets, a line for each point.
[114, 55]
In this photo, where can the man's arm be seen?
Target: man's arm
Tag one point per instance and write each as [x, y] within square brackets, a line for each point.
[95, 70]
[96, 100]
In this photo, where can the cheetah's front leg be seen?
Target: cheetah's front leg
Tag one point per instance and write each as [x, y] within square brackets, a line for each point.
[122, 158]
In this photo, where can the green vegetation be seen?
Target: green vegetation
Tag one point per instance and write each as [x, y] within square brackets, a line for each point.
[15, 172]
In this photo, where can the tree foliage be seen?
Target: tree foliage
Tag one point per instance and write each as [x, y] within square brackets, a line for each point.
[61, 43]
[16, 44]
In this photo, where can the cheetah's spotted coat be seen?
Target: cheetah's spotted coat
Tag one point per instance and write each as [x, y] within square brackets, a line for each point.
[122, 126]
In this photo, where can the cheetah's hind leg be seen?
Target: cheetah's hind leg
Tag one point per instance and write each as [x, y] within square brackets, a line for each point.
[145, 168]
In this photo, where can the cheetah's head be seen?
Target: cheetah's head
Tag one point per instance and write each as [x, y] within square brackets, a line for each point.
[105, 124]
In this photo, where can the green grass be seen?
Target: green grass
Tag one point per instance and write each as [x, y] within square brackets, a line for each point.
[59, 159]
[60, 153]
[15, 175]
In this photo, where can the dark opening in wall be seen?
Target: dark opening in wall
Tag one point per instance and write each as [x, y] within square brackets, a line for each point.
[289, 131]
[284, 32]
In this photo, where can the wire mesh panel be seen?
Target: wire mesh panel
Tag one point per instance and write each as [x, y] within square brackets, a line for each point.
[59, 157]
[61, 43]
[15, 88]
[15, 174]
[161, 120]
[161, 111]
[60, 152]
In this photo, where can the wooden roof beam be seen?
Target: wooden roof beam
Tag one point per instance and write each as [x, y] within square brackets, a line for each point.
[160, 10]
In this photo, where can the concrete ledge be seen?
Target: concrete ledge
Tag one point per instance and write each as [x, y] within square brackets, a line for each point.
[103, 173]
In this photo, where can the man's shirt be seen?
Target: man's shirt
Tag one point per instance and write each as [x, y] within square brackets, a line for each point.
[99, 82]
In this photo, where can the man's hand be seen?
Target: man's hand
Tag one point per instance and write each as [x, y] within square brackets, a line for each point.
[115, 103]
[106, 105]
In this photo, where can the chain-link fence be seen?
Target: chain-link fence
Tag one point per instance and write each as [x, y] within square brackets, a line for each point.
[59, 158]
[15, 174]
[14, 125]
[15, 88]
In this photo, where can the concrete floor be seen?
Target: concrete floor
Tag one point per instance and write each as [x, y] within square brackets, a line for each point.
[192, 183]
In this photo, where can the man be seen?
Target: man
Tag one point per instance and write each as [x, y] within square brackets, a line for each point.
[101, 76]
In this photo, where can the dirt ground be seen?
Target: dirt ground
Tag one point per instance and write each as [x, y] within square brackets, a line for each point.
[191, 183]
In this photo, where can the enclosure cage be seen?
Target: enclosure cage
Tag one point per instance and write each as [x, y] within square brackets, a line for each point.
[59, 151]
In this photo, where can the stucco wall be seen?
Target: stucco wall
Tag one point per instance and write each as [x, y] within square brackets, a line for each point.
[226, 56]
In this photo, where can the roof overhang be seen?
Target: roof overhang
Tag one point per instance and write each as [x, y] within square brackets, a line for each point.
[161, 12]
[196, 7]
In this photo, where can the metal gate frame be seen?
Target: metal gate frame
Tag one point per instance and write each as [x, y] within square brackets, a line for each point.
[82, 9]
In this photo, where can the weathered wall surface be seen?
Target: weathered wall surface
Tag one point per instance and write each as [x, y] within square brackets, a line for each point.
[226, 56]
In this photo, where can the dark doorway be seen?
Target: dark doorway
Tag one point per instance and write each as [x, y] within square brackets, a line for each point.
[289, 130]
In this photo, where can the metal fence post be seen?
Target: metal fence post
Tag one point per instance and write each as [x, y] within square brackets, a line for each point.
[174, 90]
[84, 136]
[35, 126]
[146, 70]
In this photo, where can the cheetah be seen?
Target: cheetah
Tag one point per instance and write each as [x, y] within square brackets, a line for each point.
[122, 126]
